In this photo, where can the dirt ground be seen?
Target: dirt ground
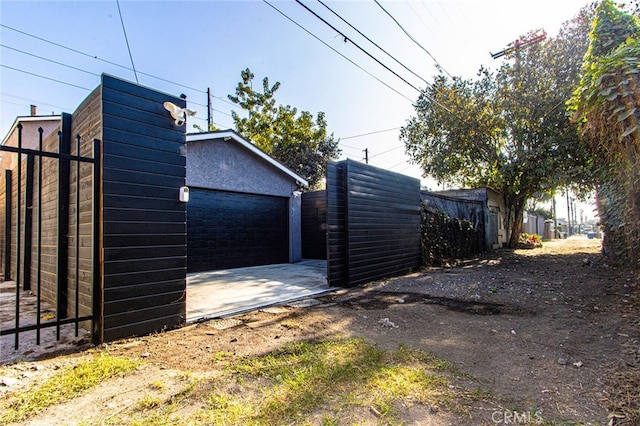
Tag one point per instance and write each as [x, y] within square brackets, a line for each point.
[545, 329]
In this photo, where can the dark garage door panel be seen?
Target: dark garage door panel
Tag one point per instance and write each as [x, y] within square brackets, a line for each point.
[234, 230]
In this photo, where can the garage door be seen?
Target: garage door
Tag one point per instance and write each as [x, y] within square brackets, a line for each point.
[233, 230]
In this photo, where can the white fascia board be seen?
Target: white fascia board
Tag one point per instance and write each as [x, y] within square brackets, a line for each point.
[230, 134]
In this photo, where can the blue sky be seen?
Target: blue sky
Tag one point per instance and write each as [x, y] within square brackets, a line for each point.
[207, 43]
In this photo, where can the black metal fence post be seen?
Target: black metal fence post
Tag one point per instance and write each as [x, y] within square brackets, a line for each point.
[8, 207]
[18, 238]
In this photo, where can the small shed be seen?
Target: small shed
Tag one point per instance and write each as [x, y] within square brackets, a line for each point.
[495, 213]
[244, 206]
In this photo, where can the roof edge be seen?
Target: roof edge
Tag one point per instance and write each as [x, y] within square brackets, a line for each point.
[23, 118]
[230, 134]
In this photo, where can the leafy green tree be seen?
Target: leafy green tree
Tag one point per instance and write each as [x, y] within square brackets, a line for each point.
[510, 130]
[606, 107]
[297, 140]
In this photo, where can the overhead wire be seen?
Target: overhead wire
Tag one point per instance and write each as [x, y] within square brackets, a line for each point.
[424, 23]
[374, 43]
[126, 39]
[348, 146]
[370, 133]
[48, 60]
[92, 73]
[386, 152]
[170, 81]
[336, 51]
[347, 39]
[399, 164]
[88, 72]
[112, 63]
[74, 85]
[32, 100]
[422, 92]
[437, 21]
[411, 37]
[45, 77]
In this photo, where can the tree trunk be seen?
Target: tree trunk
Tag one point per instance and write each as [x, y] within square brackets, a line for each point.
[516, 210]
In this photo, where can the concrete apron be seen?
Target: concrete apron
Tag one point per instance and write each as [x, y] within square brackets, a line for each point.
[229, 292]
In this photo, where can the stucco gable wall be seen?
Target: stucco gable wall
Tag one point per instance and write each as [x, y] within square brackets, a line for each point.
[30, 138]
[226, 165]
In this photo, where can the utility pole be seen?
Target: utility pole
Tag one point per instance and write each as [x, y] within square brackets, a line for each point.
[568, 215]
[366, 155]
[555, 217]
[209, 108]
[520, 44]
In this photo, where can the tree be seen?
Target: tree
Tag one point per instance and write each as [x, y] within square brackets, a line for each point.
[507, 130]
[605, 105]
[298, 141]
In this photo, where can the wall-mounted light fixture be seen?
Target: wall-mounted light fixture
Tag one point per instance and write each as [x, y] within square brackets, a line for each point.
[179, 114]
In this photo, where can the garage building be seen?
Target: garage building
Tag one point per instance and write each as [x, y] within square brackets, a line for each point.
[244, 206]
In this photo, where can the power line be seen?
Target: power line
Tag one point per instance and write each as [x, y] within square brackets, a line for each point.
[367, 53]
[386, 152]
[65, 83]
[126, 39]
[350, 147]
[437, 21]
[111, 63]
[105, 61]
[32, 100]
[330, 47]
[369, 133]
[417, 15]
[372, 42]
[399, 164]
[411, 37]
[347, 39]
[89, 72]
[44, 77]
[48, 60]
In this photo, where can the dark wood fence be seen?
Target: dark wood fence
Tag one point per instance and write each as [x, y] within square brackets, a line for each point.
[314, 225]
[373, 223]
[144, 223]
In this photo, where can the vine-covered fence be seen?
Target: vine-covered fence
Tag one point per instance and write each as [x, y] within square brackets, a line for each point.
[445, 240]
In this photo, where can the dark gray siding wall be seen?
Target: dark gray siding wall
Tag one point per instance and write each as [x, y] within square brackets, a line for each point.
[233, 230]
[144, 223]
[336, 225]
[314, 225]
[377, 220]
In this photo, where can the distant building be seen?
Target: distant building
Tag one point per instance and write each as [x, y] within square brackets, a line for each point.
[495, 213]
[30, 126]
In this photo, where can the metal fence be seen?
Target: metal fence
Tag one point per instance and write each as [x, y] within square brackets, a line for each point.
[51, 246]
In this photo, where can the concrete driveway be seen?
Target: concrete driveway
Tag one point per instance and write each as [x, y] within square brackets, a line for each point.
[232, 291]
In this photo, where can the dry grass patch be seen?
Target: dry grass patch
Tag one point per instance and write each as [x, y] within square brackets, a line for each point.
[64, 386]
